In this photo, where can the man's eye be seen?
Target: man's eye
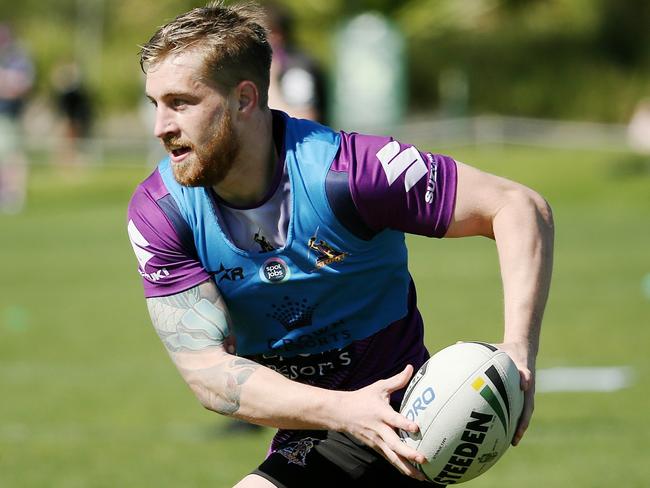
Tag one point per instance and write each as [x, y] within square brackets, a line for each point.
[178, 102]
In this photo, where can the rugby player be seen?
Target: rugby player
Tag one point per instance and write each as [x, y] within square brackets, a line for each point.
[274, 264]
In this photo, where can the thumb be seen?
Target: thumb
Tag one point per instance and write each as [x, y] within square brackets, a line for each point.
[400, 380]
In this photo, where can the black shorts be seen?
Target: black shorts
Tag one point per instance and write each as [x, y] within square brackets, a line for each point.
[329, 459]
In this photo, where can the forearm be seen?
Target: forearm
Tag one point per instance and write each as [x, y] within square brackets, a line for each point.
[244, 389]
[521, 223]
[524, 233]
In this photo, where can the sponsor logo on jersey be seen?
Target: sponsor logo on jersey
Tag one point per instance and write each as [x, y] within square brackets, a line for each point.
[156, 275]
[396, 162]
[292, 314]
[433, 178]
[308, 367]
[140, 244]
[297, 314]
[331, 335]
[296, 452]
[229, 274]
[275, 270]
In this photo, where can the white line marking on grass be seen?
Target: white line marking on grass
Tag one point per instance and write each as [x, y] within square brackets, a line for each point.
[584, 379]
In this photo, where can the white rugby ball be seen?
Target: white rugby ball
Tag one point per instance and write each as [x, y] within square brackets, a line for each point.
[466, 400]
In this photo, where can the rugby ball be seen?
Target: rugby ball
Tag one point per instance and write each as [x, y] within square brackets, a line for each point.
[466, 400]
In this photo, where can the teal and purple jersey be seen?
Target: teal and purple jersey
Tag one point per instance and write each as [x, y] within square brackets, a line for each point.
[335, 306]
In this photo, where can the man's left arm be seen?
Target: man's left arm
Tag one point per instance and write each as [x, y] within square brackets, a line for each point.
[521, 223]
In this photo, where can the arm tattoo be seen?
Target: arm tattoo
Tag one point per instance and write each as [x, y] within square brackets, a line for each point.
[189, 321]
[193, 321]
[235, 373]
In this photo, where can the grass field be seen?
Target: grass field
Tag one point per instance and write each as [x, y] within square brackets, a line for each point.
[89, 398]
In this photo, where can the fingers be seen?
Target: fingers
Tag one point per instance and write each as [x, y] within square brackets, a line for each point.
[402, 464]
[400, 455]
[378, 425]
[526, 415]
[399, 422]
[400, 380]
[526, 365]
[397, 451]
[394, 383]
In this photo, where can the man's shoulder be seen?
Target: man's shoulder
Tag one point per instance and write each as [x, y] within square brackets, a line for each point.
[152, 187]
[144, 201]
[304, 131]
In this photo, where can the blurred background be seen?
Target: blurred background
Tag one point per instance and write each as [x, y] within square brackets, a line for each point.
[552, 93]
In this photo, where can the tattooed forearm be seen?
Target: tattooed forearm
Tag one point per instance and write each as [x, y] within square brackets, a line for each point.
[233, 374]
[192, 320]
[193, 325]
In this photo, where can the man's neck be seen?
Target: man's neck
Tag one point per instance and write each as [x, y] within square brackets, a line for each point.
[250, 178]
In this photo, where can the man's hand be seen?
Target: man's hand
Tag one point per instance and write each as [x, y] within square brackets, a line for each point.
[526, 364]
[370, 418]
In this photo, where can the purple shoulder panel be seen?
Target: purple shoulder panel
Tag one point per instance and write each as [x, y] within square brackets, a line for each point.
[166, 264]
[395, 186]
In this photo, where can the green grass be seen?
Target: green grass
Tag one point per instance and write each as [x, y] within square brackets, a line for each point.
[90, 399]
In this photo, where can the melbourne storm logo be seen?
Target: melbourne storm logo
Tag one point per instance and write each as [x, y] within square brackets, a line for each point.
[325, 253]
[296, 452]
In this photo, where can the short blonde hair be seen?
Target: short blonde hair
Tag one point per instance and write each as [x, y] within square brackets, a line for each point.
[233, 39]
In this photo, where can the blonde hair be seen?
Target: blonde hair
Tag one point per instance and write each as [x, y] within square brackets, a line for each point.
[233, 40]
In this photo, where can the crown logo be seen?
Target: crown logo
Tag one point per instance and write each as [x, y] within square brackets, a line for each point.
[293, 314]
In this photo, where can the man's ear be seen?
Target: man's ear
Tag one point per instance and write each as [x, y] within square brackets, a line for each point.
[247, 97]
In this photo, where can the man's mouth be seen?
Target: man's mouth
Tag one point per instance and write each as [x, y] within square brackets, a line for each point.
[179, 153]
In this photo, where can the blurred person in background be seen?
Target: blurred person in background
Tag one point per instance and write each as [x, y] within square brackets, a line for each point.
[638, 130]
[74, 106]
[297, 81]
[16, 81]
[274, 265]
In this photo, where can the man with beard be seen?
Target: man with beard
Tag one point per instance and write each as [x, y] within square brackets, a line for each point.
[316, 340]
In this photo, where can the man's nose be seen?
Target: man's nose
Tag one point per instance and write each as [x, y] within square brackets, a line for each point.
[165, 124]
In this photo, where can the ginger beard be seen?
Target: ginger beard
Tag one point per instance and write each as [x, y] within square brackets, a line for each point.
[207, 165]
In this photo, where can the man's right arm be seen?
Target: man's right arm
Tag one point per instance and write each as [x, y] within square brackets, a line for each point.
[194, 328]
